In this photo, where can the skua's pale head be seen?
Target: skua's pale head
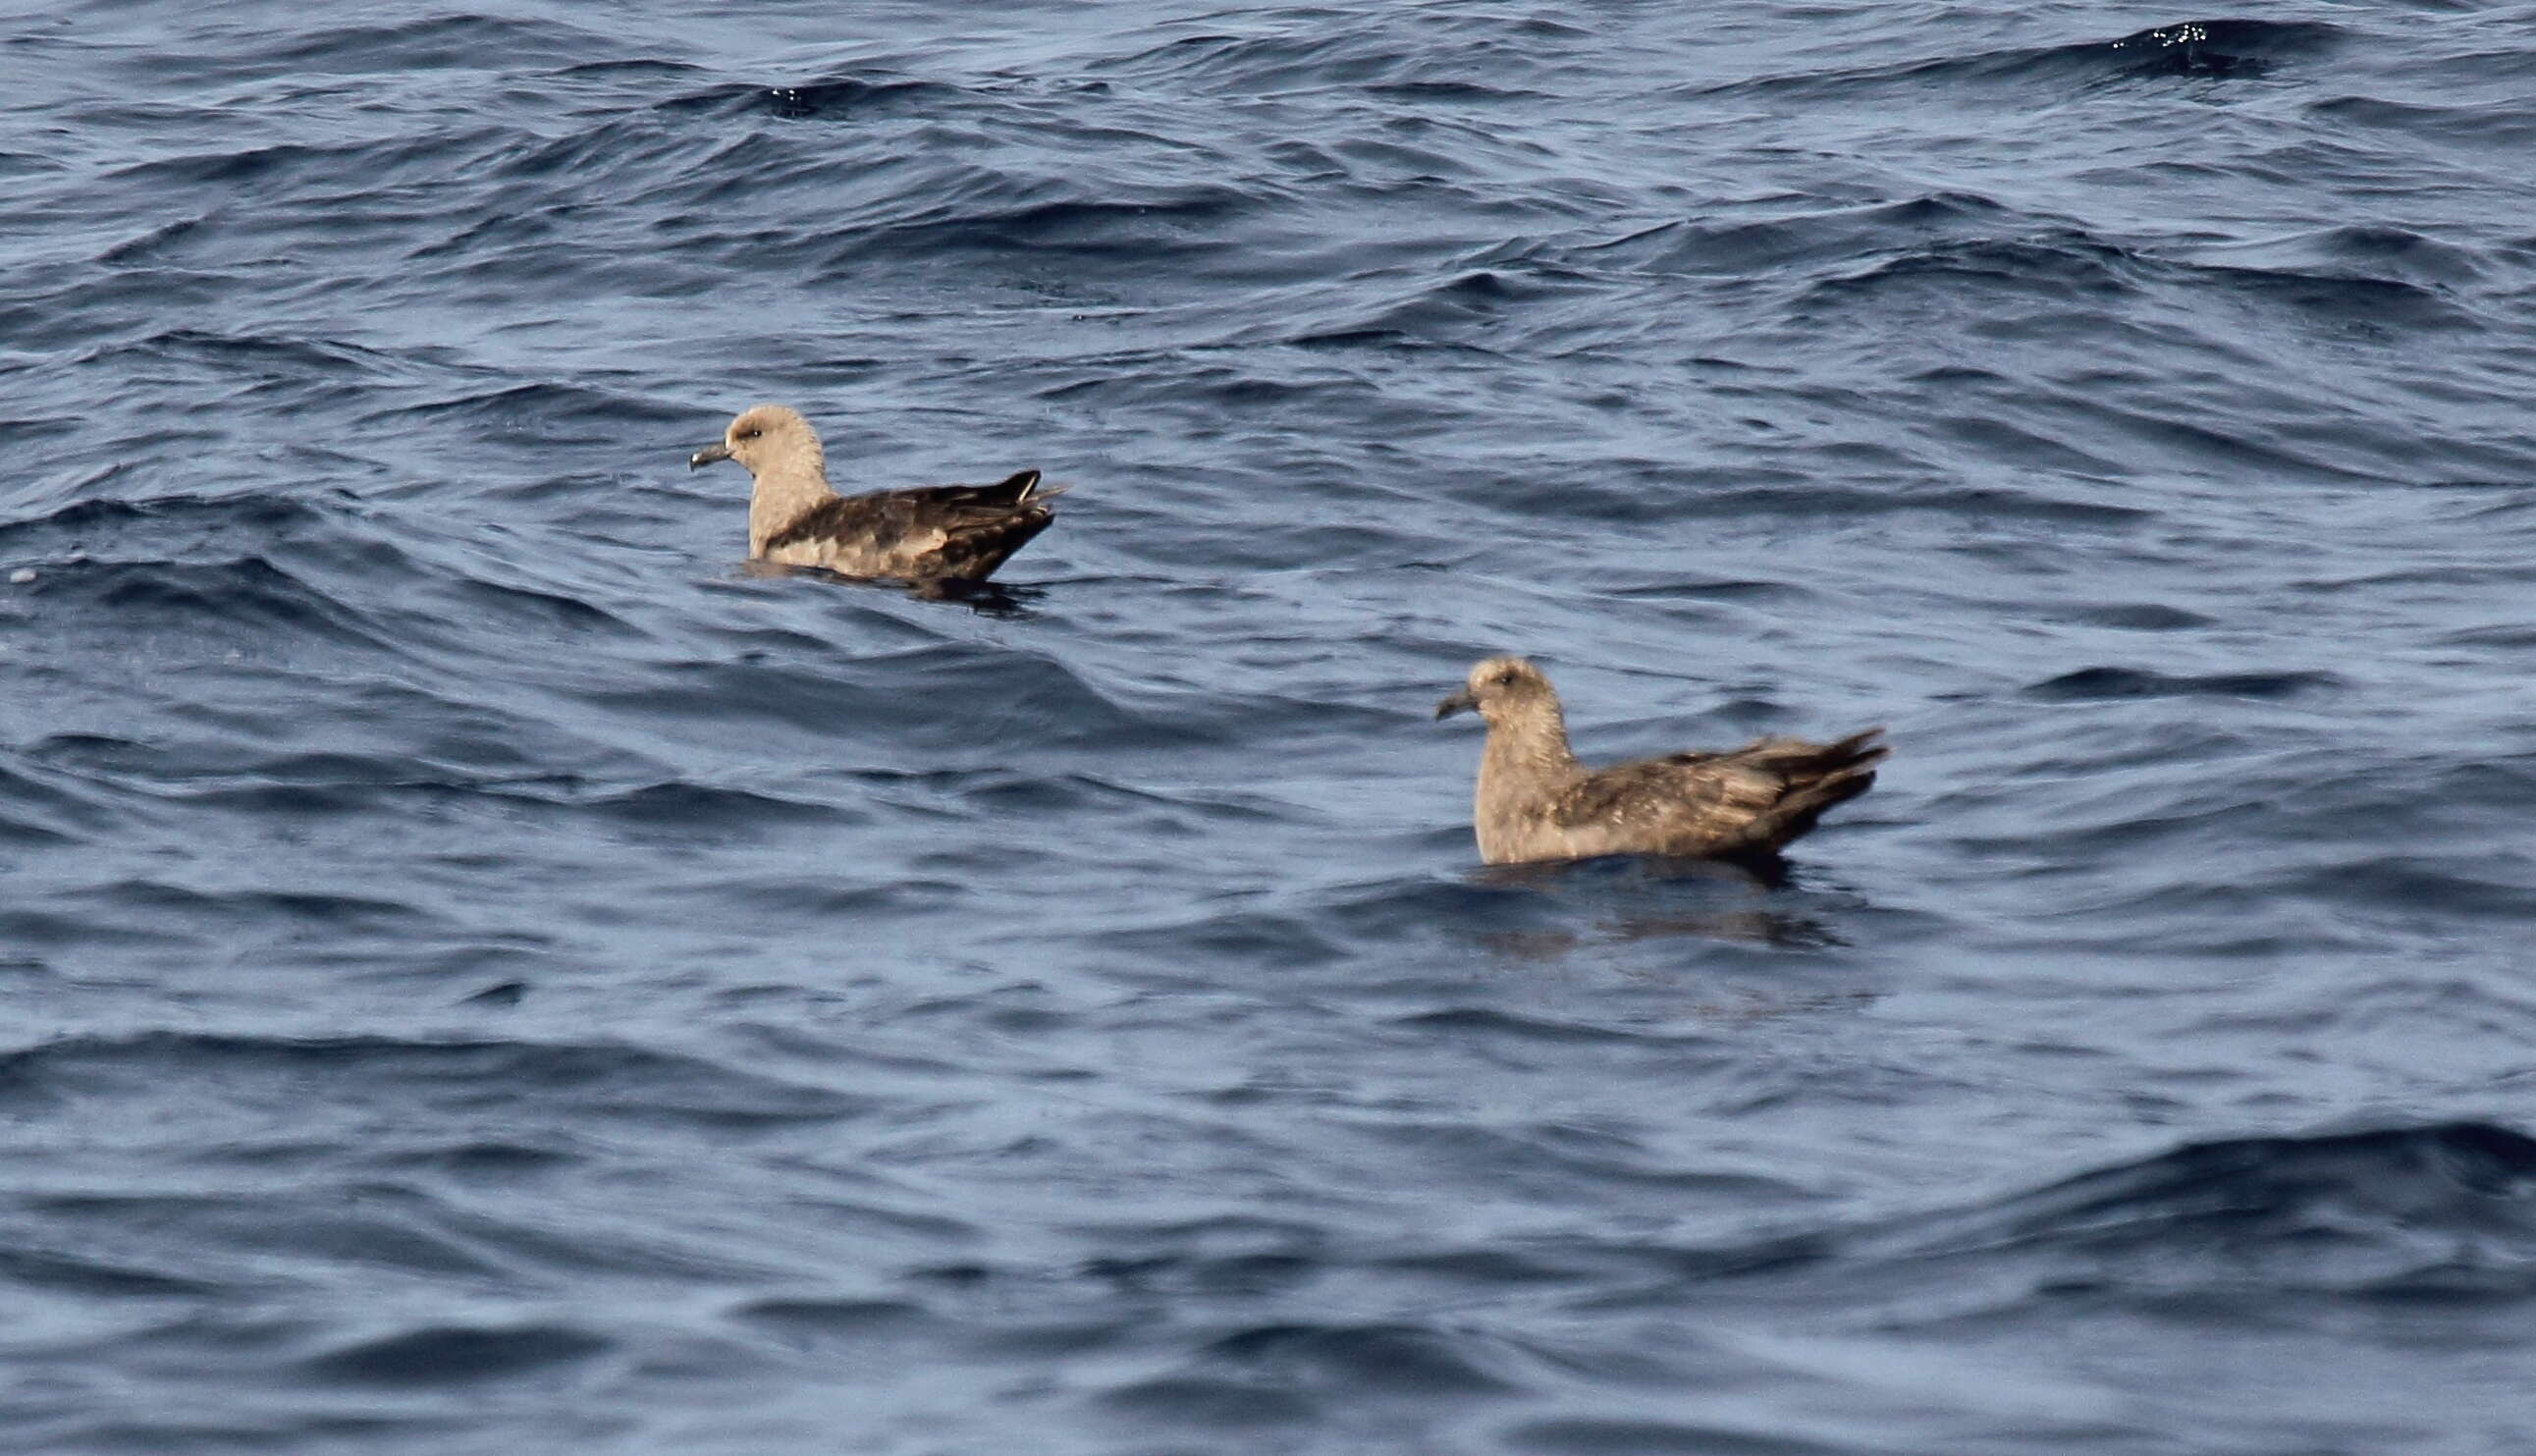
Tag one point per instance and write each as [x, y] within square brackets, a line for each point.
[766, 437]
[1497, 687]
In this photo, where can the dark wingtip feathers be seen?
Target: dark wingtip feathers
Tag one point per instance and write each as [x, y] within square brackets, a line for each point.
[1824, 776]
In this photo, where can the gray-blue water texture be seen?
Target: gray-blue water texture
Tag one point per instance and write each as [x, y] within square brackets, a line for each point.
[481, 973]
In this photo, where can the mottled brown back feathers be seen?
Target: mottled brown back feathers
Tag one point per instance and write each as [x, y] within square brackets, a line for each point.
[1535, 801]
[927, 531]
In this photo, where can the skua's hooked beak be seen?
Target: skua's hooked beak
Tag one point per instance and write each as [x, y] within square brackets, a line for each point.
[1460, 702]
[707, 456]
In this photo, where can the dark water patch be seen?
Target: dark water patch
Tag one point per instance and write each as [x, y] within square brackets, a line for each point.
[1152, 222]
[2459, 889]
[1012, 698]
[2479, 125]
[456, 42]
[111, 525]
[388, 1232]
[2221, 48]
[838, 97]
[2141, 616]
[270, 174]
[1489, 1022]
[649, 68]
[1464, 907]
[1769, 592]
[1330, 50]
[2090, 684]
[153, 245]
[2402, 1210]
[1547, 909]
[1491, 1268]
[488, 1162]
[87, 1275]
[1377, 1361]
[606, 1082]
[2002, 441]
[1450, 93]
[2516, 637]
[897, 1326]
[58, 929]
[2232, 50]
[2383, 248]
[246, 774]
[1057, 794]
[1735, 247]
[1602, 1435]
[848, 98]
[1294, 942]
[1462, 312]
[1843, 504]
[506, 238]
[2359, 299]
[688, 809]
[1533, 1161]
[1234, 1258]
[271, 355]
[2065, 268]
[457, 1354]
[1203, 1403]
[989, 598]
[36, 810]
[529, 609]
[823, 900]
[25, 834]
[2332, 1210]
[145, 1437]
[534, 409]
[183, 604]
[335, 913]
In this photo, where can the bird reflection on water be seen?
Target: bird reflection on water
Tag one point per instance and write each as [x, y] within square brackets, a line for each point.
[986, 598]
[1675, 878]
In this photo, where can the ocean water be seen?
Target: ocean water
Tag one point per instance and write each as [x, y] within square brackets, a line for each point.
[481, 973]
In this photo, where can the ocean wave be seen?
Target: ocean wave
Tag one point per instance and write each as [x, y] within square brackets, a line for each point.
[2225, 50]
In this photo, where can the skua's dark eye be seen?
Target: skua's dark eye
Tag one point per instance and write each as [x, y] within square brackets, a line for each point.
[747, 434]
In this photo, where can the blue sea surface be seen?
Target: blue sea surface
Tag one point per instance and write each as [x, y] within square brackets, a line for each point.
[481, 973]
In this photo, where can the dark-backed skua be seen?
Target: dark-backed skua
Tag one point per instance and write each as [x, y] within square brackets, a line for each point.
[923, 532]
